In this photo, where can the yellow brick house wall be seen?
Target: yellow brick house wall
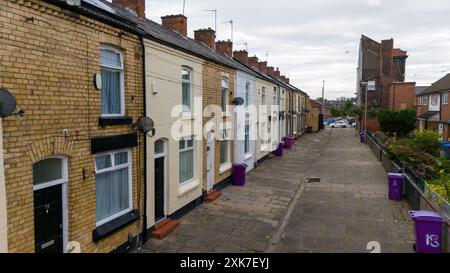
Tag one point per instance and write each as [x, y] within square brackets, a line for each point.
[47, 60]
[212, 74]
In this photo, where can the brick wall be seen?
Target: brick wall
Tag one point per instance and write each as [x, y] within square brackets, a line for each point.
[48, 64]
[402, 96]
[212, 74]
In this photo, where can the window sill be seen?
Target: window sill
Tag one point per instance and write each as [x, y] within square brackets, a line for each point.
[225, 168]
[110, 121]
[248, 156]
[114, 225]
[187, 187]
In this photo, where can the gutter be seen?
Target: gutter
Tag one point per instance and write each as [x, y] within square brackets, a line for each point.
[144, 85]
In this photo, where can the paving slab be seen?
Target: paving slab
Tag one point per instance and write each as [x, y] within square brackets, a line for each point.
[278, 211]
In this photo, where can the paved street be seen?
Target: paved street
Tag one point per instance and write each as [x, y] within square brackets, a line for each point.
[279, 211]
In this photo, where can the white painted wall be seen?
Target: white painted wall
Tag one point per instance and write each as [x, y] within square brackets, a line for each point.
[163, 71]
[242, 119]
[3, 215]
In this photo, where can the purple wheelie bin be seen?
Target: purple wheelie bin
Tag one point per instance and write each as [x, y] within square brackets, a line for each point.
[428, 226]
[362, 137]
[279, 150]
[239, 172]
[288, 142]
[395, 182]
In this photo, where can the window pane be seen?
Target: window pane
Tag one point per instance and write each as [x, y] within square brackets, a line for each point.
[112, 193]
[47, 170]
[121, 158]
[247, 139]
[223, 152]
[190, 143]
[159, 147]
[186, 165]
[224, 100]
[186, 96]
[110, 58]
[224, 83]
[186, 75]
[111, 99]
[182, 144]
[103, 162]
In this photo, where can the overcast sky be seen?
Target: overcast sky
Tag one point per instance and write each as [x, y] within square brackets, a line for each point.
[318, 40]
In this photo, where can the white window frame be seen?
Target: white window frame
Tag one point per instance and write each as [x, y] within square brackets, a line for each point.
[186, 149]
[445, 98]
[247, 139]
[225, 138]
[120, 69]
[190, 71]
[224, 91]
[263, 96]
[247, 94]
[115, 168]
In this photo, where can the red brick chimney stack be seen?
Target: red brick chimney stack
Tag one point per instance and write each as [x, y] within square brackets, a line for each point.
[225, 47]
[206, 36]
[175, 22]
[262, 66]
[241, 56]
[253, 62]
[277, 73]
[136, 6]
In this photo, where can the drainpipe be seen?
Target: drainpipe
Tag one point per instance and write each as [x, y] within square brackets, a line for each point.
[144, 84]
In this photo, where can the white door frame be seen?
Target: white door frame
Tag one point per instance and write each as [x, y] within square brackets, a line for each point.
[64, 183]
[157, 156]
[210, 161]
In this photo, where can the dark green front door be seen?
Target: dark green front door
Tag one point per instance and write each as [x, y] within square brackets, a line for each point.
[48, 224]
[159, 189]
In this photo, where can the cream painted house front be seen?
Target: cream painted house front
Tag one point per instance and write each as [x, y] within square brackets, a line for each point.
[3, 217]
[263, 100]
[174, 167]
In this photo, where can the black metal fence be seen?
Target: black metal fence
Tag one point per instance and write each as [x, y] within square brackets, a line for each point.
[416, 191]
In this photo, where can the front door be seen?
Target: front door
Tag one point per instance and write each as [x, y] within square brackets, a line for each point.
[48, 220]
[159, 189]
[210, 162]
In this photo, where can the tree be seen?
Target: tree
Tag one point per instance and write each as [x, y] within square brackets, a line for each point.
[335, 112]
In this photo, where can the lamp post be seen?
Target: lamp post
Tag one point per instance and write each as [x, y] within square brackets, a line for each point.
[365, 111]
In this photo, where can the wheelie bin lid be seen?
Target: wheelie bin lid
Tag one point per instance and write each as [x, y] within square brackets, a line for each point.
[428, 216]
[395, 175]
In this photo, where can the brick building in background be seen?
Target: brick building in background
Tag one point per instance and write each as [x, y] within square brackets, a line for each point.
[381, 70]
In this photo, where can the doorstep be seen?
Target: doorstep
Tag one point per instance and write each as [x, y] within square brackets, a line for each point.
[212, 196]
[164, 228]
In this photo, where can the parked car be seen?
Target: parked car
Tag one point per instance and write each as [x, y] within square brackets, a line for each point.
[339, 124]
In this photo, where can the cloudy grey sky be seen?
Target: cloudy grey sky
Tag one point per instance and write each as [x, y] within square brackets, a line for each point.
[318, 40]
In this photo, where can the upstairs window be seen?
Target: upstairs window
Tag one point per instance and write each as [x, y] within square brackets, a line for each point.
[112, 71]
[247, 93]
[186, 97]
[445, 98]
[263, 96]
[224, 101]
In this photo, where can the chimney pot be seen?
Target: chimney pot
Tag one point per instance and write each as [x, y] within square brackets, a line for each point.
[175, 22]
[206, 36]
[135, 6]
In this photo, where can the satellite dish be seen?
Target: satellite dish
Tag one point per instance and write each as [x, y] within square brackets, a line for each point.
[7, 103]
[145, 125]
[238, 101]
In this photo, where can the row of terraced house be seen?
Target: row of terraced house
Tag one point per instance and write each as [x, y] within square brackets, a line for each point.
[125, 125]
